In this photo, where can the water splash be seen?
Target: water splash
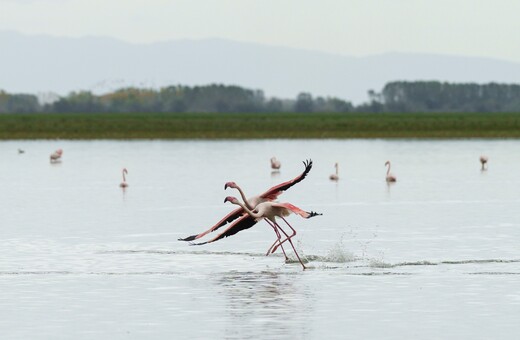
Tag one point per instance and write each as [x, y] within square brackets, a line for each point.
[336, 254]
[339, 254]
[379, 263]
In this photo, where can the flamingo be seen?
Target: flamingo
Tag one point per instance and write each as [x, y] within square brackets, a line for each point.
[275, 164]
[267, 211]
[335, 177]
[483, 161]
[123, 183]
[270, 195]
[56, 155]
[389, 177]
[20, 151]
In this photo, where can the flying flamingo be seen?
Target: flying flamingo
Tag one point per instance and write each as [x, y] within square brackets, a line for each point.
[275, 164]
[483, 161]
[56, 155]
[123, 183]
[268, 211]
[389, 177]
[270, 195]
[335, 177]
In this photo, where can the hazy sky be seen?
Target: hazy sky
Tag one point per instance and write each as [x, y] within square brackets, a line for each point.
[488, 28]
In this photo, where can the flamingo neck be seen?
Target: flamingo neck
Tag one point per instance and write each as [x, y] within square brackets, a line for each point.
[248, 211]
[337, 169]
[124, 178]
[246, 201]
[388, 170]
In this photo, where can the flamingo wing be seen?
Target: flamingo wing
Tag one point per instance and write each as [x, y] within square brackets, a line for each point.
[225, 220]
[275, 191]
[244, 222]
[296, 210]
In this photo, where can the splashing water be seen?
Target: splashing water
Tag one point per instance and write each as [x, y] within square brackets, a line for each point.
[338, 253]
[379, 263]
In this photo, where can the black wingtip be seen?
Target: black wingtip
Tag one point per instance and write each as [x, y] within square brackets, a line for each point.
[308, 164]
[197, 244]
[313, 213]
[187, 239]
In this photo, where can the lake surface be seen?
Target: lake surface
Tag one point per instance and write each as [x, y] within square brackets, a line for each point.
[434, 256]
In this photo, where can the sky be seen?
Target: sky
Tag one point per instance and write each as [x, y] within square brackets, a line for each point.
[483, 28]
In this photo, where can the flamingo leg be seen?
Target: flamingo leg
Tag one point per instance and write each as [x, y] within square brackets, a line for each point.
[277, 240]
[292, 245]
[277, 243]
[287, 236]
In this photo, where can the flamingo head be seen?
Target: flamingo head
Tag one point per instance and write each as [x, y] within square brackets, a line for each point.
[59, 151]
[125, 171]
[230, 185]
[387, 163]
[231, 199]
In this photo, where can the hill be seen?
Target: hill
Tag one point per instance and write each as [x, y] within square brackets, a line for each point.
[32, 64]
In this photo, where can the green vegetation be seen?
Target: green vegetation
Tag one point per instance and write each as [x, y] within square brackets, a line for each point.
[258, 125]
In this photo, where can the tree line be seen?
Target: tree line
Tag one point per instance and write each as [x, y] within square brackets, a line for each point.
[434, 96]
[210, 98]
[399, 96]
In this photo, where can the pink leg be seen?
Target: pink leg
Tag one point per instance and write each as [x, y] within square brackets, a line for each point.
[278, 237]
[292, 245]
[287, 236]
[269, 251]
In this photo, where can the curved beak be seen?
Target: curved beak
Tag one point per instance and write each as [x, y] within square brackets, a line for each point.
[225, 186]
[225, 200]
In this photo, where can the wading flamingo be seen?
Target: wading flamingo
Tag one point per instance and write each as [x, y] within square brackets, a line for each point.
[389, 177]
[270, 195]
[335, 177]
[268, 211]
[56, 155]
[123, 183]
[483, 161]
[20, 151]
[275, 164]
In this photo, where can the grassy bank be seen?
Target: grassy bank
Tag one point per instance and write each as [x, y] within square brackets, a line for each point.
[239, 126]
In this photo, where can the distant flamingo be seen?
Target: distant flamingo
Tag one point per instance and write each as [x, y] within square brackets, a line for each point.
[335, 177]
[56, 155]
[483, 161]
[268, 211]
[275, 164]
[270, 195]
[20, 151]
[123, 183]
[389, 177]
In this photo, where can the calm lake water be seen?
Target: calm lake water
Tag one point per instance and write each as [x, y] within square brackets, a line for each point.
[434, 256]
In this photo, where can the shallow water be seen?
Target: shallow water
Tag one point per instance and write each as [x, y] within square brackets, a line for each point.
[432, 256]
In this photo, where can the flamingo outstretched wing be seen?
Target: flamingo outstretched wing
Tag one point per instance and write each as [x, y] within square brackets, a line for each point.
[244, 222]
[296, 210]
[225, 220]
[275, 191]
[270, 195]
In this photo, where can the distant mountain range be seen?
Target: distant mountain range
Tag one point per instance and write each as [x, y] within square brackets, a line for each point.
[36, 64]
